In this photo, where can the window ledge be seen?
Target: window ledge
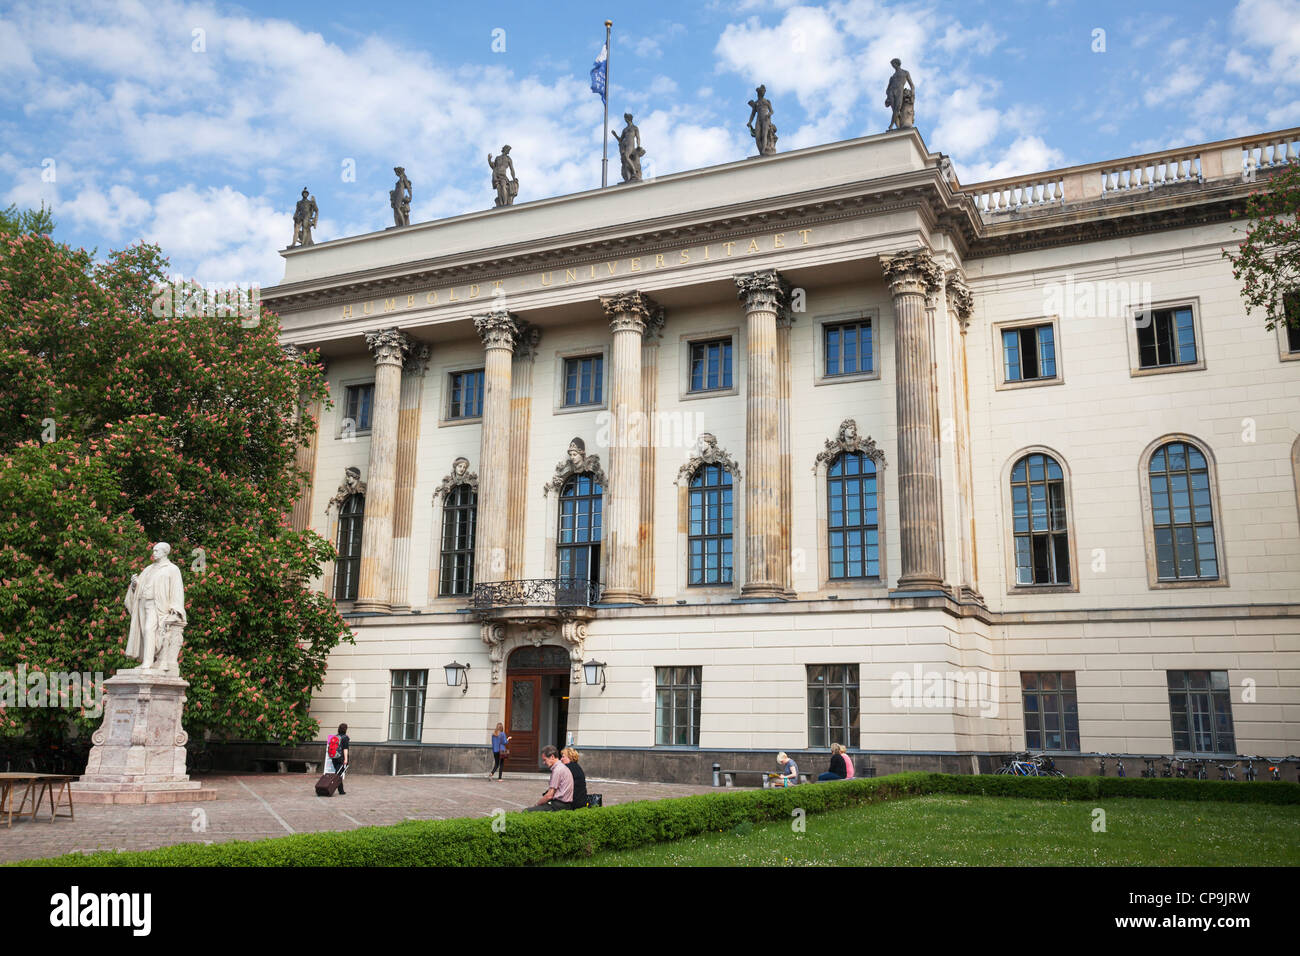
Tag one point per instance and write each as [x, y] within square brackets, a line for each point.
[1028, 383]
[710, 393]
[847, 377]
[476, 420]
[1139, 372]
[1043, 589]
[1191, 583]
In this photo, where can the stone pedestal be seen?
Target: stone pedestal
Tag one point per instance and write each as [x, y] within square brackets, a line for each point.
[139, 749]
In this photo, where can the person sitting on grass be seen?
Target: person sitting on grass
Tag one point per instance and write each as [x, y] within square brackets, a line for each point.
[569, 757]
[838, 770]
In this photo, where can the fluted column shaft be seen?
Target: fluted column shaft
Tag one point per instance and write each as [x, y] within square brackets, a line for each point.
[628, 313]
[961, 306]
[912, 276]
[649, 404]
[763, 296]
[521, 417]
[408, 440]
[390, 348]
[499, 331]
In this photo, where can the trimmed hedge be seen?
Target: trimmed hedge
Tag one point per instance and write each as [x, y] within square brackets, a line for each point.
[528, 839]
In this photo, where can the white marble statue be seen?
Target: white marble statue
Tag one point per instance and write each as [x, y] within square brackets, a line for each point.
[156, 600]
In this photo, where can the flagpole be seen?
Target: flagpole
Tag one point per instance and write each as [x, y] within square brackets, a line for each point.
[604, 130]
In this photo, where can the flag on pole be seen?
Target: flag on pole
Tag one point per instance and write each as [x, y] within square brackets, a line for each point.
[600, 72]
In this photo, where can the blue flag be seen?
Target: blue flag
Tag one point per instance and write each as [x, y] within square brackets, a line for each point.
[600, 72]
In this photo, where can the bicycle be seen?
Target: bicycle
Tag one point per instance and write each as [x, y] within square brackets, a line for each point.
[1149, 771]
[1249, 772]
[1227, 771]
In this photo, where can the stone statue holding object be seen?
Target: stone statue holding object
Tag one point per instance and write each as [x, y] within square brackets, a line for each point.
[900, 96]
[507, 187]
[399, 197]
[305, 215]
[760, 123]
[629, 150]
[156, 600]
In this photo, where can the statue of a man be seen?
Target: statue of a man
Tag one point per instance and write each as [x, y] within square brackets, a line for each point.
[899, 84]
[629, 150]
[400, 198]
[507, 187]
[156, 600]
[760, 123]
[305, 215]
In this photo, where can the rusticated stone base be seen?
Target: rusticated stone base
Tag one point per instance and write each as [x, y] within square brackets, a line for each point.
[139, 750]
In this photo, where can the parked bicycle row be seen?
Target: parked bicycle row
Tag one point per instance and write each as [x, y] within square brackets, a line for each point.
[1246, 767]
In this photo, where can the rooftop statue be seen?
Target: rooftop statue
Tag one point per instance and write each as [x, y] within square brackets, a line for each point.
[629, 150]
[507, 187]
[400, 198]
[305, 215]
[900, 96]
[760, 123]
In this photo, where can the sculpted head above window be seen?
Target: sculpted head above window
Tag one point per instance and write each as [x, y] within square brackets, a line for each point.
[352, 477]
[577, 452]
[459, 467]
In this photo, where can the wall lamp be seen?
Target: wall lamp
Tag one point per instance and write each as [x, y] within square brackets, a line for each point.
[595, 671]
[458, 676]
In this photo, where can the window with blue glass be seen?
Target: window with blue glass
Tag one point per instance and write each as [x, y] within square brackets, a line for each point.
[711, 365]
[466, 394]
[357, 405]
[853, 517]
[1166, 337]
[848, 348]
[1041, 538]
[1182, 515]
[709, 535]
[1029, 353]
[578, 545]
[1200, 712]
[582, 380]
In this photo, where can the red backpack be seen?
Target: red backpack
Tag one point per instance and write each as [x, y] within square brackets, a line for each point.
[332, 748]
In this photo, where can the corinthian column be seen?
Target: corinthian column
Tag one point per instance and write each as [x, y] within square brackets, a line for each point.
[628, 314]
[913, 275]
[390, 348]
[305, 457]
[408, 438]
[961, 305]
[763, 296]
[499, 331]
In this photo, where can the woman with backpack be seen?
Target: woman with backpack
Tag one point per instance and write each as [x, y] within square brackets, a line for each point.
[336, 754]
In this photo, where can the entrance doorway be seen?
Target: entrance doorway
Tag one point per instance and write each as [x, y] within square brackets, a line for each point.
[537, 703]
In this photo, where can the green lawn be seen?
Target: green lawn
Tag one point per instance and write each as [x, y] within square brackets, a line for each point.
[950, 830]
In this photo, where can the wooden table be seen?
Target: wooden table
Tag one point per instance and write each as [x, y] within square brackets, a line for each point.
[35, 787]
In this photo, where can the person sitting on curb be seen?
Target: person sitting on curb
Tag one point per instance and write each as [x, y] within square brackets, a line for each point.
[559, 795]
[569, 757]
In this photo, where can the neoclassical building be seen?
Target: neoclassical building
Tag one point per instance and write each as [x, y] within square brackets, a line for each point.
[818, 447]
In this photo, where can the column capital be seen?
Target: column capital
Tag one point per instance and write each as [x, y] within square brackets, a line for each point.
[388, 346]
[913, 271]
[765, 290]
[498, 329]
[417, 362]
[529, 336]
[629, 311]
[960, 302]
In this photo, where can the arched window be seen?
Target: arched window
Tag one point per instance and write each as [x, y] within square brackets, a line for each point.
[1182, 514]
[460, 508]
[852, 517]
[1039, 527]
[709, 527]
[347, 569]
[578, 541]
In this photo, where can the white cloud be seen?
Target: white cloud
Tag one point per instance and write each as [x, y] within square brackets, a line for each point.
[1273, 26]
[1028, 154]
[1179, 83]
[121, 208]
[967, 125]
[228, 236]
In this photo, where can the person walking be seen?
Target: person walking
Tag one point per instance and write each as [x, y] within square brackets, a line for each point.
[569, 757]
[500, 751]
[559, 795]
[337, 762]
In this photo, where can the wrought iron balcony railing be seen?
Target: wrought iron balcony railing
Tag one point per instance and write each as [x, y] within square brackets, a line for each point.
[532, 592]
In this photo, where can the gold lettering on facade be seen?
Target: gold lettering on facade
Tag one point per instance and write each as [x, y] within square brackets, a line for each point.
[410, 301]
[805, 233]
[659, 261]
[635, 266]
[728, 245]
[570, 275]
[778, 241]
[593, 270]
[473, 292]
[390, 305]
[706, 253]
[451, 296]
[547, 277]
[612, 267]
[753, 246]
[496, 286]
[431, 298]
[684, 256]
[347, 312]
[367, 308]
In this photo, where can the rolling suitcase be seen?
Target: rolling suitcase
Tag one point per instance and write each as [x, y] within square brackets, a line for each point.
[327, 784]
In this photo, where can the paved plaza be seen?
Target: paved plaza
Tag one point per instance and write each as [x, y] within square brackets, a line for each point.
[254, 806]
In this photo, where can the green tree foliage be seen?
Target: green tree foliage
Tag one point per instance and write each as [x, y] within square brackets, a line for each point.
[127, 421]
[1268, 262]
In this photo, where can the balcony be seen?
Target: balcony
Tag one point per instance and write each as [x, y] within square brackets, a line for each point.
[535, 593]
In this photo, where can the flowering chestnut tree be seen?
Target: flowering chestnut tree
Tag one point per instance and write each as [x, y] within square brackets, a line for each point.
[1268, 262]
[124, 424]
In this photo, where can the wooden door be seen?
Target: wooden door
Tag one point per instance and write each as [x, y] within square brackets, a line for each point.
[523, 719]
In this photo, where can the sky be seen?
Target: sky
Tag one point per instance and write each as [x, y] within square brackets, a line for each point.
[196, 125]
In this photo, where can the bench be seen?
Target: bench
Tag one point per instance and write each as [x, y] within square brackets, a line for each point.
[767, 776]
[276, 765]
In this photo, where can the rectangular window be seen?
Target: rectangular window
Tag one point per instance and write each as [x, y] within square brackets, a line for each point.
[406, 713]
[1166, 337]
[677, 706]
[582, 380]
[1029, 353]
[848, 348]
[710, 365]
[1051, 709]
[357, 405]
[1200, 712]
[466, 394]
[1291, 313]
[832, 705]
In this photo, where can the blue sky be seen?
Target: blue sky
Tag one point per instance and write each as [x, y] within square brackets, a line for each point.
[195, 125]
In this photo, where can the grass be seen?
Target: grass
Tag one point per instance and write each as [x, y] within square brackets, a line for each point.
[953, 830]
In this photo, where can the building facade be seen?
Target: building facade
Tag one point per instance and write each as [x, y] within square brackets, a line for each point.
[811, 448]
